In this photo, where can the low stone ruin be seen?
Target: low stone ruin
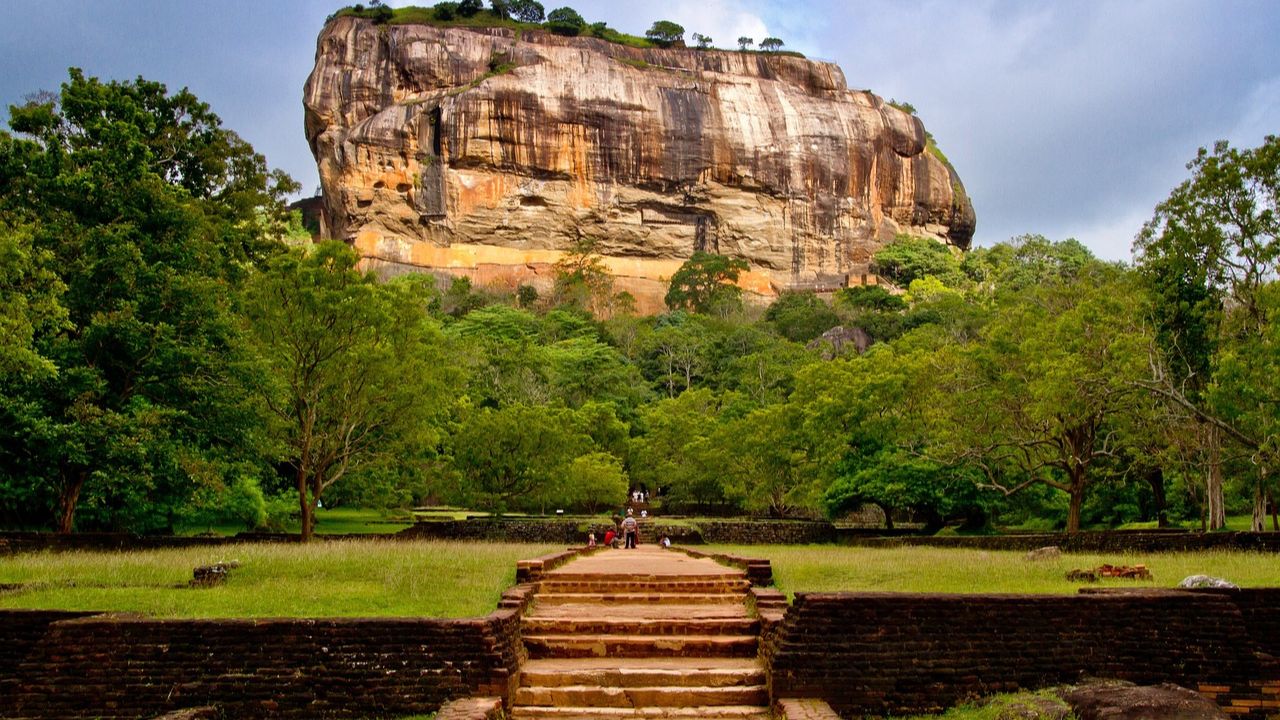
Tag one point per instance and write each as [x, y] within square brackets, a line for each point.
[206, 576]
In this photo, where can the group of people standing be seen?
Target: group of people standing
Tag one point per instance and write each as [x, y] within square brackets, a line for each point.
[628, 531]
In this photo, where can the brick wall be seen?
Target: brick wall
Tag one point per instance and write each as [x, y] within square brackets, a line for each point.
[108, 666]
[880, 653]
[1093, 541]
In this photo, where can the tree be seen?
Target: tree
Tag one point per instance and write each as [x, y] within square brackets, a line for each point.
[705, 284]
[468, 8]
[511, 458]
[801, 316]
[150, 214]
[501, 9]
[910, 258]
[771, 44]
[565, 21]
[356, 367]
[582, 279]
[445, 11]
[527, 11]
[1040, 398]
[767, 464]
[596, 481]
[703, 41]
[1207, 255]
[745, 43]
[665, 33]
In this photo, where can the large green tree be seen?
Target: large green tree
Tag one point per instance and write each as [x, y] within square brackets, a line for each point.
[357, 368]
[706, 283]
[1039, 398]
[150, 214]
[1207, 256]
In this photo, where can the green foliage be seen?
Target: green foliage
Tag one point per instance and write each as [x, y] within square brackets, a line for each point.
[703, 42]
[801, 316]
[904, 106]
[595, 481]
[705, 284]
[355, 368]
[527, 11]
[910, 258]
[771, 44]
[128, 217]
[745, 43]
[665, 33]
[565, 21]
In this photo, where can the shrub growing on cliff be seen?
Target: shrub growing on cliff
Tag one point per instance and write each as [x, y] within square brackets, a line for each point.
[665, 33]
[771, 44]
[565, 21]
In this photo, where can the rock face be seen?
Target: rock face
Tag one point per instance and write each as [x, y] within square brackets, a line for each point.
[484, 152]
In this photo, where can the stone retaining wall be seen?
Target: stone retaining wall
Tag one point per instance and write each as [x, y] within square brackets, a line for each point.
[720, 532]
[1139, 541]
[891, 653]
[110, 666]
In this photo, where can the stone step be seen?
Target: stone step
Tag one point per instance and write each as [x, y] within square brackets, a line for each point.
[533, 625]
[636, 646]
[643, 672]
[597, 696]
[657, 598]
[639, 611]
[723, 712]
[730, 584]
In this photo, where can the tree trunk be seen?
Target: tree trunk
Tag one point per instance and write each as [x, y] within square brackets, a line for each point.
[1275, 512]
[1259, 503]
[304, 503]
[68, 499]
[1155, 477]
[1213, 483]
[1077, 499]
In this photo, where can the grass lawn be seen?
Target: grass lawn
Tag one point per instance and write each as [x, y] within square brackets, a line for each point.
[342, 578]
[827, 568]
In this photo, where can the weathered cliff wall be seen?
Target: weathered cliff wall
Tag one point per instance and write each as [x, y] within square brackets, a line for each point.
[485, 152]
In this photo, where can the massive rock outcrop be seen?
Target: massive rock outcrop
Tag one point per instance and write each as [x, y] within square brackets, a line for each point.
[486, 152]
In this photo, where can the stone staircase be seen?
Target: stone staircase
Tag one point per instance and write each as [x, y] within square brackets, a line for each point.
[644, 633]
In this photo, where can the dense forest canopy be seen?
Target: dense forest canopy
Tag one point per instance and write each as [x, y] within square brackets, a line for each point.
[166, 360]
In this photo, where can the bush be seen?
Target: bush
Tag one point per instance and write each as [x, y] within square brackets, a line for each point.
[445, 11]
[565, 21]
[468, 8]
[665, 33]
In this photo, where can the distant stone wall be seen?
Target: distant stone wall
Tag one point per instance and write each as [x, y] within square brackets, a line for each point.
[110, 666]
[891, 653]
[1092, 541]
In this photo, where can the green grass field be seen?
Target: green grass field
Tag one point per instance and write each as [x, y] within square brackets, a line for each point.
[825, 568]
[341, 578]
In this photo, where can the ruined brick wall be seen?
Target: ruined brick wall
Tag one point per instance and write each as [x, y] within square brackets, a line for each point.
[882, 653]
[1138, 541]
[127, 667]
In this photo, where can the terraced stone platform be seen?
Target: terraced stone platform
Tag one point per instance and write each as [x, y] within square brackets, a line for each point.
[643, 633]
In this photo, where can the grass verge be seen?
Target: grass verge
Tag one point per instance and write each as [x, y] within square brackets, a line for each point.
[823, 568]
[359, 578]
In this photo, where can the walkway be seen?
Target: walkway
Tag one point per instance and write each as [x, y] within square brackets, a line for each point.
[644, 633]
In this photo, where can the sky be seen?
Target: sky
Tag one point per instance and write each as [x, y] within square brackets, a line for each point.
[1068, 119]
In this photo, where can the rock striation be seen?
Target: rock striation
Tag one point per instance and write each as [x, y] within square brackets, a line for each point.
[486, 152]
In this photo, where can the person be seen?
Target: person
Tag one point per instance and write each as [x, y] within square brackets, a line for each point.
[630, 531]
[666, 541]
[591, 539]
[608, 538]
[644, 513]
